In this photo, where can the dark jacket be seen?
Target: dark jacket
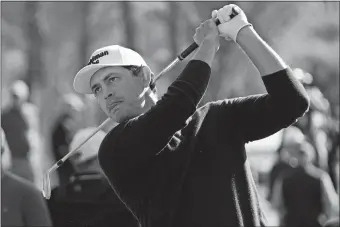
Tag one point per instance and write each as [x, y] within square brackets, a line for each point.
[179, 166]
[88, 200]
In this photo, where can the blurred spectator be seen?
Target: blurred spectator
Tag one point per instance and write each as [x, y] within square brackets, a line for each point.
[305, 196]
[333, 162]
[291, 140]
[336, 170]
[62, 132]
[87, 199]
[314, 123]
[21, 202]
[19, 122]
[319, 137]
[5, 153]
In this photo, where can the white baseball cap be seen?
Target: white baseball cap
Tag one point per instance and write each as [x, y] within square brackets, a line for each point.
[88, 150]
[114, 55]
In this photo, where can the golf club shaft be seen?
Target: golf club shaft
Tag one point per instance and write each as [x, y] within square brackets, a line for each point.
[189, 50]
[166, 69]
[61, 161]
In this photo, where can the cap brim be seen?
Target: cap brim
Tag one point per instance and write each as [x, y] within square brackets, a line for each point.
[81, 82]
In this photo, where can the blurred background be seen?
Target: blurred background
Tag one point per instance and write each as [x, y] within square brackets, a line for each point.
[44, 44]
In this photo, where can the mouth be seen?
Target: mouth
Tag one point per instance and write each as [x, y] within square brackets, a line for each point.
[112, 107]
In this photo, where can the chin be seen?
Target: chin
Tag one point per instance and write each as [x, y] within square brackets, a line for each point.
[113, 117]
[116, 117]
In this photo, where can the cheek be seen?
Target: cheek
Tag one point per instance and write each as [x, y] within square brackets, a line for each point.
[102, 104]
[131, 92]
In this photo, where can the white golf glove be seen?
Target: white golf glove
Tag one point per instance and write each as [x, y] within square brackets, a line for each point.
[230, 27]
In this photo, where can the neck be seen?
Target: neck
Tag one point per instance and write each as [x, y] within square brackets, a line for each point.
[149, 101]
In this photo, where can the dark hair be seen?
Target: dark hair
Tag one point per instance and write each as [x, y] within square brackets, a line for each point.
[137, 70]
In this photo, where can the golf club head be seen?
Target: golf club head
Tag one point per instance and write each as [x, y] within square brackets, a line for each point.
[46, 189]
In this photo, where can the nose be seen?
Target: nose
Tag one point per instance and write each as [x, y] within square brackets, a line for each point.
[108, 93]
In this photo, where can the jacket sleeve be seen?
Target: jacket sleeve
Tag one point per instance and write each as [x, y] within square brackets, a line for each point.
[258, 116]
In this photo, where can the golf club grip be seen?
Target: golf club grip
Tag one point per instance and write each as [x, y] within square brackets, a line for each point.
[187, 51]
[194, 45]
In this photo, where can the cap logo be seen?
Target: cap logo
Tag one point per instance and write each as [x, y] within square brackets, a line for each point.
[95, 59]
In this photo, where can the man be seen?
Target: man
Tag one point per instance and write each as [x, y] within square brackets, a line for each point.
[314, 122]
[291, 141]
[87, 199]
[175, 165]
[21, 202]
[19, 131]
[62, 132]
[305, 195]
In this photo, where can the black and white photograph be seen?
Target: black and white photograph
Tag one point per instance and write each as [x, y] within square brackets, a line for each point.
[170, 113]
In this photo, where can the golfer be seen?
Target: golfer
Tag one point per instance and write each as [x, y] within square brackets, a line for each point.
[173, 164]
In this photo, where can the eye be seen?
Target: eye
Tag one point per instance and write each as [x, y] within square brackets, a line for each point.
[96, 90]
[112, 79]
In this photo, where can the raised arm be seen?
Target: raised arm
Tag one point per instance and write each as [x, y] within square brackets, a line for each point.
[259, 116]
[265, 59]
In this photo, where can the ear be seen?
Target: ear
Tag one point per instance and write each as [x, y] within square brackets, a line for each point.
[146, 76]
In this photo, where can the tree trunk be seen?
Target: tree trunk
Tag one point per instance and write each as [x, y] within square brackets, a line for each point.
[89, 118]
[173, 29]
[35, 41]
[84, 33]
[127, 15]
